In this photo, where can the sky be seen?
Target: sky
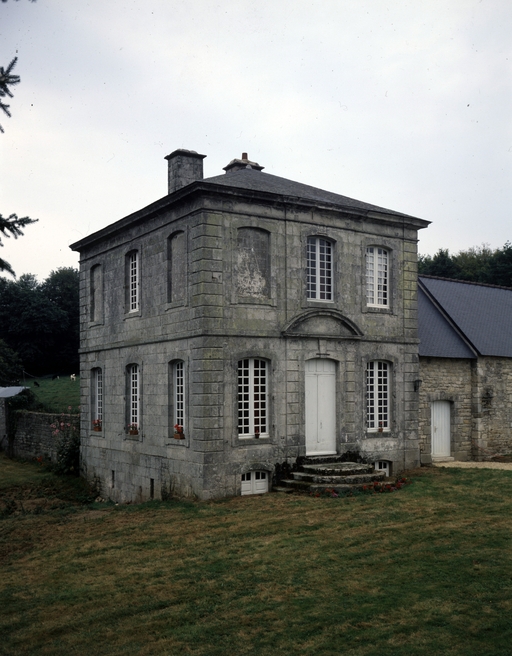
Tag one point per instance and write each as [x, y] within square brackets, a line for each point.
[402, 104]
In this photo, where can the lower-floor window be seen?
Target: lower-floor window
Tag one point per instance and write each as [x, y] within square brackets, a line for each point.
[255, 482]
[133, 396]
[377, 395]
[179, 395]
[252, 398]
[383, 465]
[97, 399]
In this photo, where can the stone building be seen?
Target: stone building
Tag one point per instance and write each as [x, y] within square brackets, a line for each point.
[466, 370]
[266, 318]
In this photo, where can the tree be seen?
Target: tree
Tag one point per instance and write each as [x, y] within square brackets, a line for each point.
[477, 264]
[7, 80]
[13, 225]
[40, 321]
[11, 370]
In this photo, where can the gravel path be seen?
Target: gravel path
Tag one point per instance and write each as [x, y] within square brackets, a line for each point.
[475, 465]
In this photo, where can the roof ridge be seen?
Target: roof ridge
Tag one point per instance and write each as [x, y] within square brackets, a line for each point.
[466, 282]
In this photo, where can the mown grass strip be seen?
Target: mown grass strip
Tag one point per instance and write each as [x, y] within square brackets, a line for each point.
[426, 570]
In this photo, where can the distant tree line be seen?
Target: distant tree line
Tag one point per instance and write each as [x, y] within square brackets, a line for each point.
[477, 264]
[39, 325]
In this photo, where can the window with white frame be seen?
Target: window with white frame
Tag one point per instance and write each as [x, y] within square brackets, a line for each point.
[319, 269]
[255, 482]
[179, 394]
[97, 399]
[377, 396]
[377, 277]
[133, 282]
[252, 398]
[133, 396]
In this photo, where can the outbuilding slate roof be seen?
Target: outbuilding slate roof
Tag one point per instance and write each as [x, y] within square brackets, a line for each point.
[456, 317]
[7, 392]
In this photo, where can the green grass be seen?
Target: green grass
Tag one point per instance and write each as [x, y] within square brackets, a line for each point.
[426, 570]
[57, 395]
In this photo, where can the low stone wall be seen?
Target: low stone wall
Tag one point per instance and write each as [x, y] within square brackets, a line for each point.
[34, 436]
[3, 426]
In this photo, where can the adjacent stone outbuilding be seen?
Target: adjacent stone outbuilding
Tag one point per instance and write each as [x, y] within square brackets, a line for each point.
[466, 370]
[240, 322]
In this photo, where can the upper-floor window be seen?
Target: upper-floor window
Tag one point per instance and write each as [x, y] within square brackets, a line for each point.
[133, 281]
[176, 268]
[97, 399]
[319, 269]
[378, 381]
[252, 398]
[133, 400]
[96, 294]
[377, 277]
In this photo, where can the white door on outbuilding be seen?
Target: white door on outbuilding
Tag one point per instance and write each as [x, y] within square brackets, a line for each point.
[441, 438]
[320, 376]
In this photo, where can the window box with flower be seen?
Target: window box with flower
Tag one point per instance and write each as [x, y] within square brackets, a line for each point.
[178, 432]
[133, 429]
[97, 425]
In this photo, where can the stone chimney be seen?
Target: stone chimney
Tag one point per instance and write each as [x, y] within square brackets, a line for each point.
[185, 166]
[244, 163]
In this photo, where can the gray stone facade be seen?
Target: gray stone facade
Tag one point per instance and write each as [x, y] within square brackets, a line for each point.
[220, 278]
[480, 397]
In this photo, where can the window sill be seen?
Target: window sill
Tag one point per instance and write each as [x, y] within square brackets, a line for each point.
[263, 439]
[378, 309]
[134, 313]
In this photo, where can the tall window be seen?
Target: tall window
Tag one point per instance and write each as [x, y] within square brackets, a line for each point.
[133, 395]
[252, 398]
[319, 269]
[377, 395]
[377, 277]
[96, 297]
[179, 393]
[176, 268]
[97, 399]
[133, 282]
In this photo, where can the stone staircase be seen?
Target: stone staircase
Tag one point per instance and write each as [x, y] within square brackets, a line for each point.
[316, 473]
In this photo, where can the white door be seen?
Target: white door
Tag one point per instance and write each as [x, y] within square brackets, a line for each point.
[440, 429]
[255, 482]
[320, 407]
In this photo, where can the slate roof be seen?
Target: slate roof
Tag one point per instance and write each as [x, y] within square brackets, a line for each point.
[7, 392]
[456, 317]
[254, 180]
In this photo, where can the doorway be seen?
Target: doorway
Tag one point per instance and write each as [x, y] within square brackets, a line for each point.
[441, 434]
[320, 377]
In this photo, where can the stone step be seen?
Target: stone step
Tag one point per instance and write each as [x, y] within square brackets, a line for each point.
[364, 478]
[306, 486]
[338, 468]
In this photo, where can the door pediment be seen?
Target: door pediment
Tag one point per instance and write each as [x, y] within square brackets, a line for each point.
[322, 323]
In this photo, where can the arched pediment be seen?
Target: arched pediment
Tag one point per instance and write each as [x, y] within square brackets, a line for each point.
[322, 323]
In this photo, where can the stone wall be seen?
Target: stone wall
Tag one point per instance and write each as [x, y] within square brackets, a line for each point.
[34, 435]
[480, 394]
[3, 426]
[444, 379]
[492, 408]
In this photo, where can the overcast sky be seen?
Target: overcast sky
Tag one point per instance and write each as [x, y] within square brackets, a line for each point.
[403, 104]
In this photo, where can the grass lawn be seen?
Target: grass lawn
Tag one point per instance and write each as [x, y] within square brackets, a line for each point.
[57, 395]
[426, 570]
